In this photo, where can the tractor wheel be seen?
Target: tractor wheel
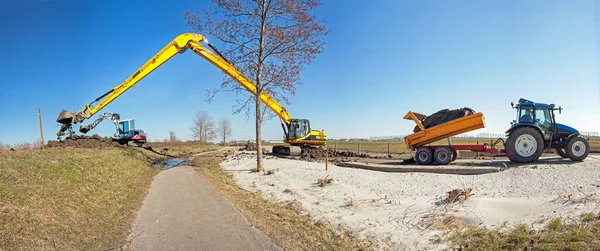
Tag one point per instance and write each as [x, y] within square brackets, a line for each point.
[524, 145]
[424, 156]
[561, 152]
[577, 148]
[443, 155]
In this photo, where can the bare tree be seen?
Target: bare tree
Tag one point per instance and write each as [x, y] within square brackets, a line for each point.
[204, 127]
[269, 41]
[224, 129]
[172, 137]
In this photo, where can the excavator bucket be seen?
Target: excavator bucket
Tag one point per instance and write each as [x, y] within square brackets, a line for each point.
[65, 117]
[84, 129]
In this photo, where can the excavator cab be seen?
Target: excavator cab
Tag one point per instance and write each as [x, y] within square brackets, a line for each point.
[299, 128]
[125, 127]
[299, 133]
[126, 132]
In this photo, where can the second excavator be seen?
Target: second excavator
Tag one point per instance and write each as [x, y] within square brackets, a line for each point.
[297, 132]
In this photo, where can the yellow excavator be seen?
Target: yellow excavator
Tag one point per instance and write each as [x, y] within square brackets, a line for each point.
[298, 133]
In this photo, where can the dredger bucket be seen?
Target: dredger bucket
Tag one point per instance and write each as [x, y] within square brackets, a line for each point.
[65, 117]
[84, 129]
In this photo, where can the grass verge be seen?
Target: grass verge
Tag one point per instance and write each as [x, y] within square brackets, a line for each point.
[181, 148]
[557, 235]
[71, 199]
[284, 224]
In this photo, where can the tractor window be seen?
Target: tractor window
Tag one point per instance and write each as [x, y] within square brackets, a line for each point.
[542, 116]
[526, 115]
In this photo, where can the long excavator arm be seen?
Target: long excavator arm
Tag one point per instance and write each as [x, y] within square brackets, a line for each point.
[179, 45]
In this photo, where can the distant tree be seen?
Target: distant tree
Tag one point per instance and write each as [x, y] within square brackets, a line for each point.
[172, 137]
[224, 129]
[269, 41]
[204, 127]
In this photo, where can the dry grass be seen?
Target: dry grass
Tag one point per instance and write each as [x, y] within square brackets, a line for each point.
[324, 181]
[582, 234]
[285, 224]
[445, 222]
[181, 148]
[71, 199]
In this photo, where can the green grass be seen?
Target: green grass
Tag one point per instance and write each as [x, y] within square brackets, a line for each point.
[283, 223]
[71, 199]
[557, 235]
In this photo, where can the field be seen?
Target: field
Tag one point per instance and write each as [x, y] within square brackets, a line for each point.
[74, 198]
[400, 146]
[70, 199]
[179, 148]
[552, 204]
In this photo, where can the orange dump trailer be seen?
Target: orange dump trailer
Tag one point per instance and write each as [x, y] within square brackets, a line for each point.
[444, 154]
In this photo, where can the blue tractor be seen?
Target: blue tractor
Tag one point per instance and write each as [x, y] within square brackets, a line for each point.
[535, 129]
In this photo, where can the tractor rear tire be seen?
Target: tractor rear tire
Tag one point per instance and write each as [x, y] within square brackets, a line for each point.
[524, 145]
[577, 148]
[443, 155]
[424, 156]
[561, 152]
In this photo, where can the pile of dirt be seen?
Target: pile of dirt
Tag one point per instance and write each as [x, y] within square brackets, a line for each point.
[250, 147]
[314, 154]
[443, 116]
[83, 141]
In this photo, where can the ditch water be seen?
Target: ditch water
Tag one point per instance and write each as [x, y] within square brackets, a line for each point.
[169, 163]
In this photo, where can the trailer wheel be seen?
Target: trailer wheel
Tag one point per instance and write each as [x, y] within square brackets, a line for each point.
[424, 156]
[561, 152]
[454, 155]
[443, 155]
[577, 148]
[524, 145]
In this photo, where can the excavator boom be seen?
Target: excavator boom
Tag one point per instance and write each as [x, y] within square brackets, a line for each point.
[179, 45]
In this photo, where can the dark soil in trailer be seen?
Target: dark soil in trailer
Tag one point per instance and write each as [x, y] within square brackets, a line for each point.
[443, 116]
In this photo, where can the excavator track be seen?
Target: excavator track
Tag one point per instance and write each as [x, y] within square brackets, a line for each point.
[286, 150]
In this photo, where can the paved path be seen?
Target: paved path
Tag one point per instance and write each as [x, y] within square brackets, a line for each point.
[183, 212]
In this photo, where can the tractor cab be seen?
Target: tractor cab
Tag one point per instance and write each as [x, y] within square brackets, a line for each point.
[538, 115]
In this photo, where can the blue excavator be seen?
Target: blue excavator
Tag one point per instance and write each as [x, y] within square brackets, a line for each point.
[126, 132]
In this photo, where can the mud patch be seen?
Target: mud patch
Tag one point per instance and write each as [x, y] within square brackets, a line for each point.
[84, 141]
[318, 154]
[252, 147]
[443, 116]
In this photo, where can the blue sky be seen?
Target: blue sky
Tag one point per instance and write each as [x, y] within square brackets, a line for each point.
[380, 60]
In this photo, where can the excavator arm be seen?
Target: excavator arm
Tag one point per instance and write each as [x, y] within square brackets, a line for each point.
[179, 45]
[114, 117]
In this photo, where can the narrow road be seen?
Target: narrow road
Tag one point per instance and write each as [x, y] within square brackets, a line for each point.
[183, 212]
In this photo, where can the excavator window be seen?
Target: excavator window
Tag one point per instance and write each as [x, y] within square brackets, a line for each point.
[123, 129]
[299, 128]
